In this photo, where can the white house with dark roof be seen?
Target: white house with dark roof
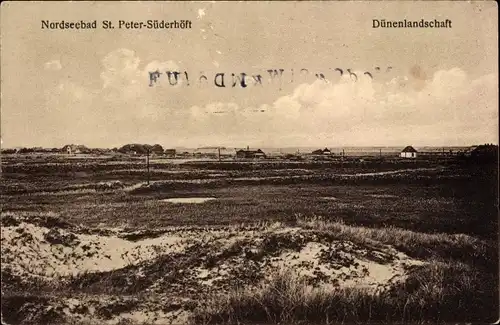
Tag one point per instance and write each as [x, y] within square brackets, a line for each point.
[409, 152]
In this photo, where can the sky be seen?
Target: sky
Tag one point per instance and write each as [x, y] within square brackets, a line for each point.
[91, 87]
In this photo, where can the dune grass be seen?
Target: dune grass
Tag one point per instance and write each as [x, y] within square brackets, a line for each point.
[459, 284]
[438, 292]
[430, 210]
[454, 286]
[440, 246]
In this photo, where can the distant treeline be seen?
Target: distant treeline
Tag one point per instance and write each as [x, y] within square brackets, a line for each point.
[482, 153]
[81, 149]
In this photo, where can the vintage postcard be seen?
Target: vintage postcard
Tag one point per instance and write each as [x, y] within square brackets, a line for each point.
[249, 162]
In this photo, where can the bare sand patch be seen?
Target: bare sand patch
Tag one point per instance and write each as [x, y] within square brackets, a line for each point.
[151, 317]
[187, 262]
[27, 249]
[343, 264]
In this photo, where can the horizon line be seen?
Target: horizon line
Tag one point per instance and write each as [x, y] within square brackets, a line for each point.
[255, 146]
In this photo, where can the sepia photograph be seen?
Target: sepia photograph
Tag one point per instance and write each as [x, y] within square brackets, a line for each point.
[249, 162]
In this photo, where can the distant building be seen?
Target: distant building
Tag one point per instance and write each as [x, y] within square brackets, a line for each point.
[324, 152]
[214, 152]
[409, 152]
[485, 153]
[227, 152]
[71, 149]
[250, 154]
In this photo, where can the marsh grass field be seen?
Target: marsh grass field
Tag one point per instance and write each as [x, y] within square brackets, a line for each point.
[89, 241]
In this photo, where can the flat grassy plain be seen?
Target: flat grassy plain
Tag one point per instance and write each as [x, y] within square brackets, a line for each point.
[442, 213]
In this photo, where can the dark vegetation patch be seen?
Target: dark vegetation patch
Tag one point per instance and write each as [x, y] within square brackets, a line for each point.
[462, 198]
[108, 311]
[9, 221]
[38, 219]
[56, 237]
[172, 271]
[431, 293]
[12, 283]
[144, 234]
[30, 309]
[467, 204]
[347, 163]
[482, 254]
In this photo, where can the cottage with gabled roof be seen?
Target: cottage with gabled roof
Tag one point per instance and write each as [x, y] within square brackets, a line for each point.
[409, 152]
[71, 149]
[250, 153]
[324, 152]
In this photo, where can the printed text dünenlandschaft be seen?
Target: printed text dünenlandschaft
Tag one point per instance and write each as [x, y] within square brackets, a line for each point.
[422, 23]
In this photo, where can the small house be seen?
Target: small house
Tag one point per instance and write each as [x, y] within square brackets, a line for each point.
[72, 149]
[321, 154]
[326, 152]
[250, 154]
[409, 152]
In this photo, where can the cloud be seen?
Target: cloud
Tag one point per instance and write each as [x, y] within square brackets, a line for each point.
[123, 79]
[68, 101]
[201, 13]
[54, 65]
[448, 108]
[124, 94]
[122, 108]
[121, 68]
